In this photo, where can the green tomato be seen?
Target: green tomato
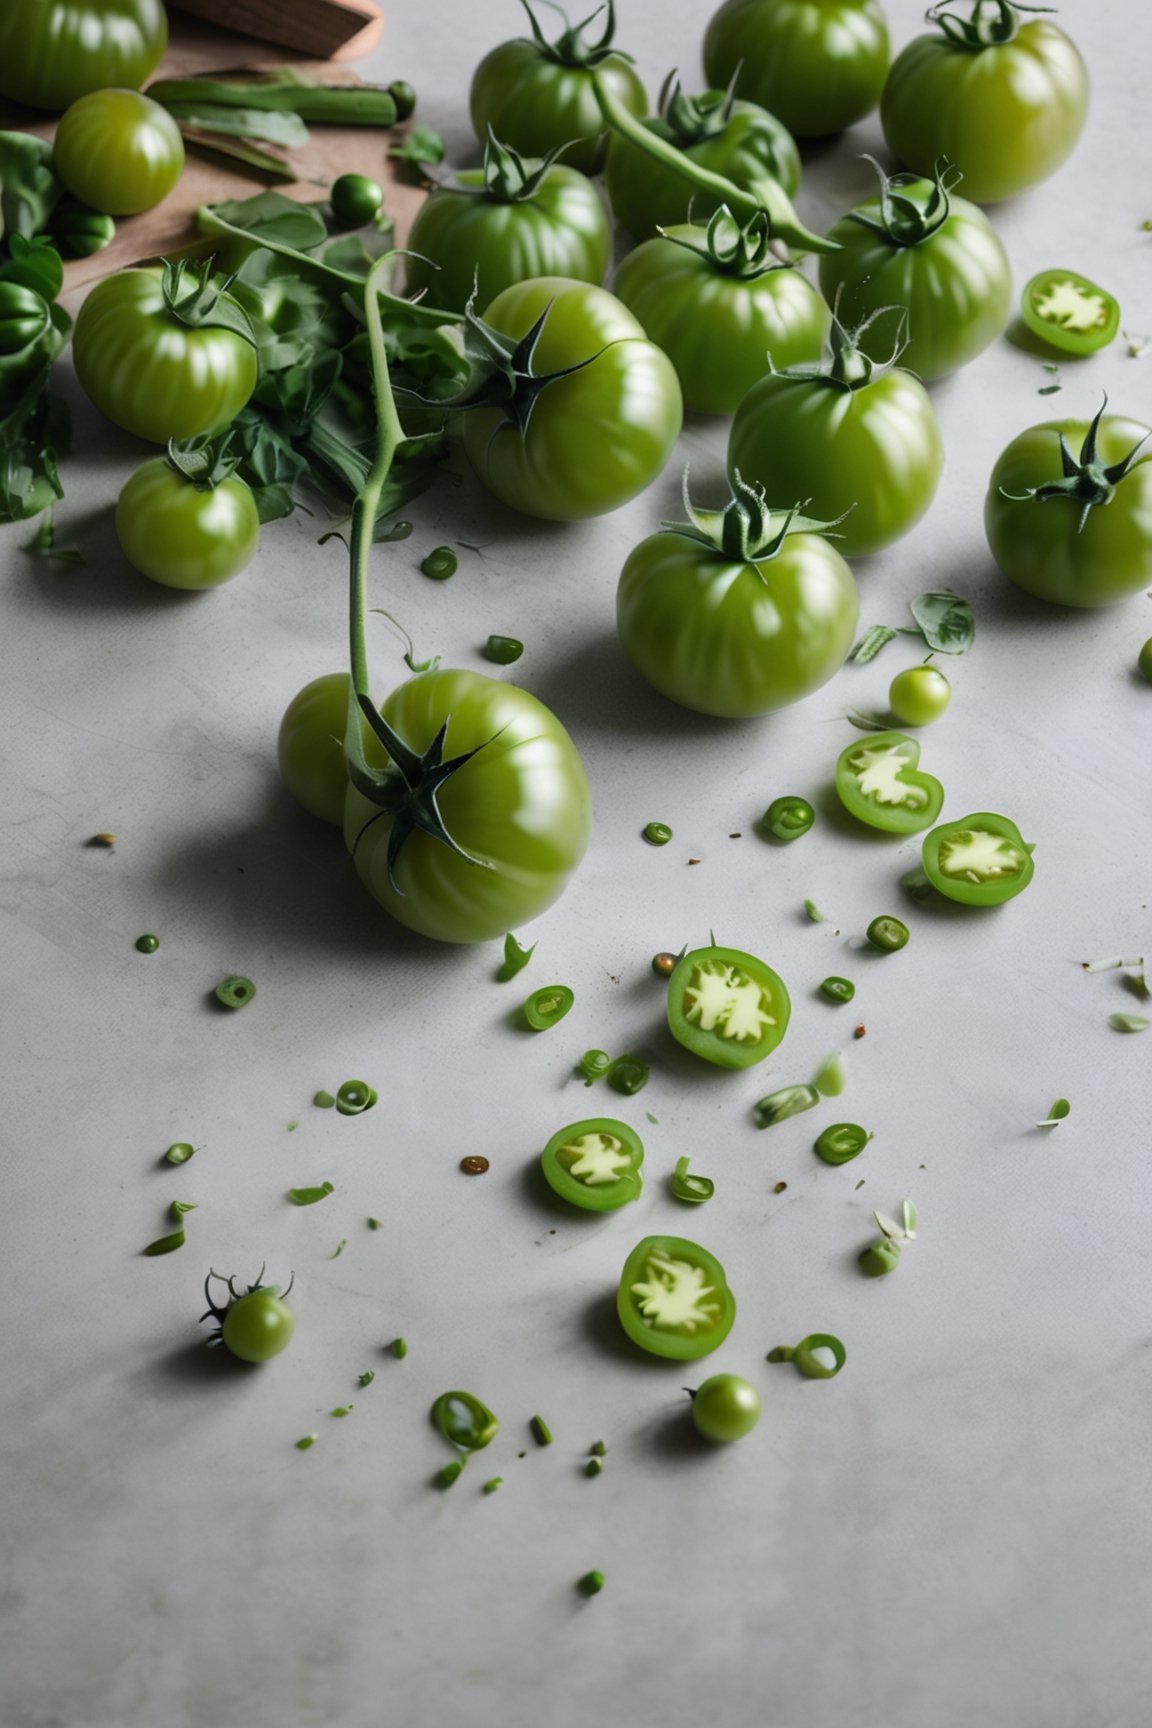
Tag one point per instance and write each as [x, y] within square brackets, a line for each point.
[537, 97]
[1144, 661]
[918, 695]
[727, 1006]
[873, 452]
[151, 373]
[1006, 112]
[595, 1164]
[980, 861]
[880, 1259]
[310, 747]
[355, 199]
[32, 333]
[118, 151]
[725, 1408]
[597, 436]
[719, 329]
[259, 1325]
[1087, 547]
[818, 65]
[673, 1299]
[54, 51]
[731, 637]
[877, 781]
[955, 282]
[463, 240]
[520, 806]
[183, 535]
[751, 149]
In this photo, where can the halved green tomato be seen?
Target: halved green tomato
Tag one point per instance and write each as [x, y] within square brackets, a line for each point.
[878, 783]
[674, 1299]
[1068, 312]
[727, 1006]
[595, 1164]
[981, 861]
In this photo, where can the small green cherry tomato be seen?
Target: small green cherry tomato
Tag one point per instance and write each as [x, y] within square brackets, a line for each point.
[255, 1325]
[727, 1006]
[118, 151]
[880, 1259]
[1144, 661]
[54, 51]
[404, 96]
[356, 200]
[674, 1299]
[147, 944]
[595, 1164]
[918, 695]
[981, 861]
[877, 782]
[185, 535]
[1068, 312]
[819, 65]
[310, 747]
[888, 934]
[725, 1408]
[788, 818]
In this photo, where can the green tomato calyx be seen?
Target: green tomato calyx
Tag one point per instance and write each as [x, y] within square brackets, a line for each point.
[1086, 480]
[687, 120]
[844, 365]
[905, 219]
[509, 177]
[729, 247]
[572, 48]
[205, 462]
[993, 22]
[201, 301]
[215, 1312]
[746, 531]
[502, 370]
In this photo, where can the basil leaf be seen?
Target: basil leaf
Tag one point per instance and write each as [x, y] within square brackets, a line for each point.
[945, 621]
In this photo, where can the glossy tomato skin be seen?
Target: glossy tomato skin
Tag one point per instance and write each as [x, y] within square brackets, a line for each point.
[151, 374]
[536, 104]
[1037, 543]
[736, 639]
[521, 804]
[717, 329]
[1006, 115]
[186, 536]
[310, 747]
[753, 150]
[53, 51]
[874, 452]
[818, 65]
[956, 285]
[118, 151]
[258, 1325]
[597, 437]
[469, 240]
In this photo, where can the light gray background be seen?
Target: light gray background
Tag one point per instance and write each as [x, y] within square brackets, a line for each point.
[953, 1532]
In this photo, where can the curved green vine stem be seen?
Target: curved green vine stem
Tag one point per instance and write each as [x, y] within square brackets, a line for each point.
[786, 225]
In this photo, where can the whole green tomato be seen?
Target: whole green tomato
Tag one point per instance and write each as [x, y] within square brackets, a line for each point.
[1004, 100]
[53, 51]
[725, 1408]
[493, 227]
[818, 65]
[519, 807]
[151, 355]
[310, 747]
[1069, 510]
[719, 302]
[253, 1325]
[736, 614]
[918, 695]
[537, 95]
[738, 140]
[854, 440]
[593, 436]
[355, 199]
[118, 151]
[936, 256]
[183, 534]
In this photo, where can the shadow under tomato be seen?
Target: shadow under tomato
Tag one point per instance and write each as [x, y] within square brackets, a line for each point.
[198, 1365]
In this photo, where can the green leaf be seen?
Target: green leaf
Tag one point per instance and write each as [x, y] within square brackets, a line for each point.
[1060, 1109]
[166, 1244]
[515, 958]
[870, 644]
[271, 216]
[421, 145]
[1129, 1022]
[945, 621]
[35, 264]
[309, 1196]
[272, 126]
[241, 150]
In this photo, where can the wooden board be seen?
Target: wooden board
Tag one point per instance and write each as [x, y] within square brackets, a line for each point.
[325, 29]
[196, 48]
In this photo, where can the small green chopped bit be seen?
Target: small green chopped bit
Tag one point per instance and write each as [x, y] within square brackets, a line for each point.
[593, 1466]
[323, 1100]
[306, 1442]
[166, 1244]
[1129, 1022]
[464, 1421]
[591, 1584]
[842, 1142]
[492, 1484]
[887, 933]
[880, 1259]
[292, 1126]
[541, 1431]
[449, 1472]
[147, 944]
[598, 1449]
[309, 1196]
[235, 991]
[829, 1079]
[657, 833]
[664, 964]
[440, 564]
[179, 1153]
[593, 1065]
[179, 1207]
[627, 1074]
[814, 912]
[375, 1224]
[399, 1348]
[838, 990]
[693, 1190]
[503, 650]
[515, 958]
[341, 1410]
[547, 1007]
[788, 1101]
[810, 1356]
[366, 1378]
[787, 818]
[340, 1247]
[1059, 1110]
[354, 1097]
[104, 839]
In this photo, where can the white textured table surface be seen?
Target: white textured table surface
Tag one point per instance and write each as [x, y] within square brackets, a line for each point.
[956, 1530]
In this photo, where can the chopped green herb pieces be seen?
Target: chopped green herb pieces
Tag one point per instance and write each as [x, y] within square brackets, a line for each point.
[341, 1410]
[179, 1207]
[627, 1074]
[515, 958]
[492, 1484]
[810, 1356]
[179, 1153]
[548, 1007]
[449, 1472]
[787, 818]
[309, 1196]
[829, 1079]
[880, 1259]
[1129, 1022]
[399, 1348]
[591, 1584]
[657, 833]
[366, 1378]
[541, 1431]
[440, 564]
[1059, 1110]
[306, 1442]
[503, 650]
[340, 1247]
[354, 1097]
[813, 912]
[147, 944]
[945, 621]
[593, 1466]
[323, 1100]
[693, 1190]
[421, 146]
[593, 1065]
[888, 934]
[234, 991]
[870, 644]
[598, 1449]
[375, 1224]
[464, 1421]
[835, 989]
[788, 1101]
[166, 1244]
[842, 1142]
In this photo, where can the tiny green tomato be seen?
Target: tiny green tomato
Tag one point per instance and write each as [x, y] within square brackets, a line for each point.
[356, 200]
[880, 1259]
[1144, 660]
[887, 933]
[725, 1408]
[918, 695]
